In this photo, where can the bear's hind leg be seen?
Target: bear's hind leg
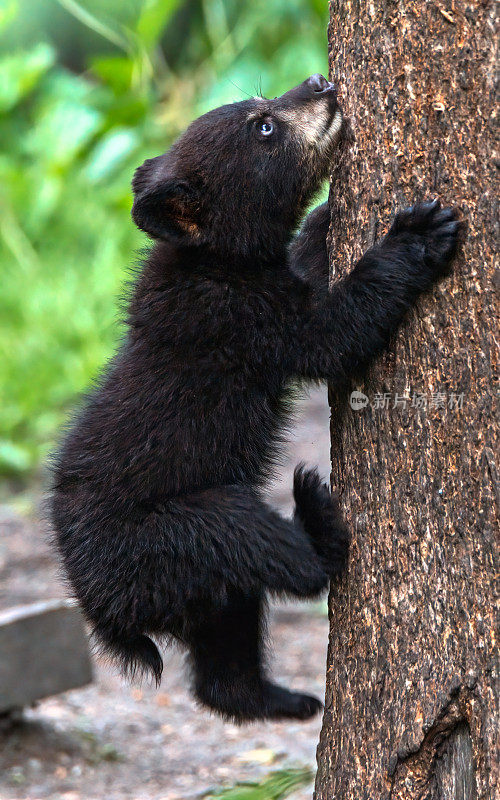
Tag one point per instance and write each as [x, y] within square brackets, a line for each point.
[226, 648]
[319, 513]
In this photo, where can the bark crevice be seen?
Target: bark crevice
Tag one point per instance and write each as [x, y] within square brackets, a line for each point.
[412, 772]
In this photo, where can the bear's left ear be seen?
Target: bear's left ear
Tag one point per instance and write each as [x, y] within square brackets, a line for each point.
[164, 206]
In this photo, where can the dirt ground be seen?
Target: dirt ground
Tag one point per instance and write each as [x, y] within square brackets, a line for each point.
[111, 740]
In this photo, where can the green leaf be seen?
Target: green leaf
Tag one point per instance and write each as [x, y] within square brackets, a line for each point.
[153, 19]
[129, 110]
[14, 458]
[86, 18]
[62, 129]
[21, 72]
[115, 71]
[8, 12]
[276, 786]
[110, 152]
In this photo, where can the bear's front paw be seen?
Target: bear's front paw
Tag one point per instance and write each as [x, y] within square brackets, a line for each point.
[319, 513]
[318, 221]
[436, 230]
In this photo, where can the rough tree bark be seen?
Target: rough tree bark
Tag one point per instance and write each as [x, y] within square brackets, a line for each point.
[412, 704]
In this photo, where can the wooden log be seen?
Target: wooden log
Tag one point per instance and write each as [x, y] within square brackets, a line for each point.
[43, 651]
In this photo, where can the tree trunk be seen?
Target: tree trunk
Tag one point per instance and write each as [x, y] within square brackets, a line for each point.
[411, 703]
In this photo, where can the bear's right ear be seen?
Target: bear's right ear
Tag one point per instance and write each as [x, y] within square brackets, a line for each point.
[164, 206]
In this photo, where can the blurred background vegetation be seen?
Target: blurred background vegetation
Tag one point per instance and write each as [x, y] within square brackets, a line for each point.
[88, 90]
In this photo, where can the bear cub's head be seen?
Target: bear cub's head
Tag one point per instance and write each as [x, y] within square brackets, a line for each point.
[239, 179]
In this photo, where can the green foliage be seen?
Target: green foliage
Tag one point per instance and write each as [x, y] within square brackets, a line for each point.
[277, 785]
[89, 89]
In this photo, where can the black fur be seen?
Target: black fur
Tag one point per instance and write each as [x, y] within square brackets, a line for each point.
[156, 504]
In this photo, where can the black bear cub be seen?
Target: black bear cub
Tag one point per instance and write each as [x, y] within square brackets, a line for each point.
[157, 502]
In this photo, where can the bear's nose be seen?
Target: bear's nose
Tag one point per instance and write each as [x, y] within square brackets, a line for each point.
[319, 84]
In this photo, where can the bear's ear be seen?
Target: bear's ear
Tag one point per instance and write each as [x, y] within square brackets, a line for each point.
[164, 206]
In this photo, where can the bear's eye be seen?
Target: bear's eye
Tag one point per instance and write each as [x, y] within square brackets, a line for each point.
[265, 128]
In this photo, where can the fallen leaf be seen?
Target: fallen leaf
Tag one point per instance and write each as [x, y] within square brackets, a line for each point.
[261, 755]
